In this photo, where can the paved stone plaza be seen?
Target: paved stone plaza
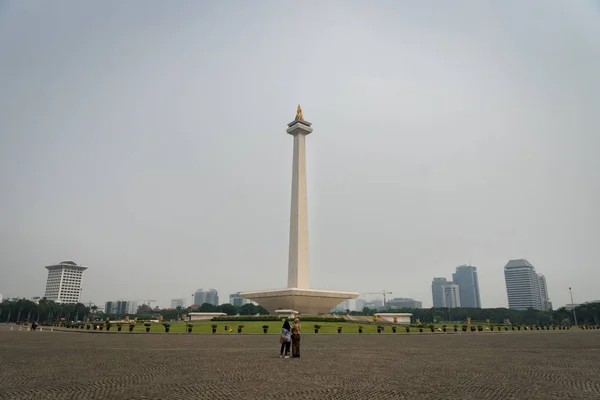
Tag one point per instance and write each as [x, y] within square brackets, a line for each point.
[505, 365]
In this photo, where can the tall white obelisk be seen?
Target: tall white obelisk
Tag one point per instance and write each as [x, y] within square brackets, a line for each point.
[298, 274]
[298, 297]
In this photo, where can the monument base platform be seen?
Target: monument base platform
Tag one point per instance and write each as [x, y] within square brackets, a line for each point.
[305, 301]
[396, 318]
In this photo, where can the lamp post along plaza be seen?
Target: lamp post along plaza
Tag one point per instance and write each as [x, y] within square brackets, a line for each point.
[573, 304]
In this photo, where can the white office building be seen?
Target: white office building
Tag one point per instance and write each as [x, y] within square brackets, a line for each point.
[524, 287]
[451, 295]
[64, 282]
[445, 294]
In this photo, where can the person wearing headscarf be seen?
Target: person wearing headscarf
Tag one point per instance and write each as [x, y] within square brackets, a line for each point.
[296, 338]
[286, 339]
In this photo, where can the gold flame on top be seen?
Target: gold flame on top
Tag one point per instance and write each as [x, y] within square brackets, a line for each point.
[299, 116]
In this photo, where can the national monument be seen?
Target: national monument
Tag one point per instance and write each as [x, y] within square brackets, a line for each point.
[298, 296]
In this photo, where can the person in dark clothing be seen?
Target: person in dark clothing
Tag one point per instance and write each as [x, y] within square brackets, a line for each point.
[286, 339]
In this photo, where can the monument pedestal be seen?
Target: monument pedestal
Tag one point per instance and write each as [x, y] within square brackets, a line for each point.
[305, 301]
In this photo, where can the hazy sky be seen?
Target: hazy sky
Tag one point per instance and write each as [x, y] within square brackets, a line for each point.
[146, 140]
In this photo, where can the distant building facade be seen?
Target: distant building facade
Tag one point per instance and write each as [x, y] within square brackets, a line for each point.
[451, 295]
[401, 302]
[236, 300]
[210, 296]
[468, 283]
[344, 306]
[376, 304]
[64, 282]
[119, 307]
[359, 304]
[544, 299]
[177, 303]
[524, 287]
[445, 294]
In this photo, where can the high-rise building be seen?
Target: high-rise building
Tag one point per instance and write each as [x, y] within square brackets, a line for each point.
[177, 303]
[401, 302]
[545, 301]
[236, 300]
[451, 293]
[466, 279]
[524, 287]
[1, 299]
[64, 282]
[445, 294]
[210, 296]
[119, 307]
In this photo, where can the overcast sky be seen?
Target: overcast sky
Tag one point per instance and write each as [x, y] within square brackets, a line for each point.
[146, 140]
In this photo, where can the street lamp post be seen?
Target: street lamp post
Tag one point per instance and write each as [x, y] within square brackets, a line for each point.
[191, 304]
[573, 305]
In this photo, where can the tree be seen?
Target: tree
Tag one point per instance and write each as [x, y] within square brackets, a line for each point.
[248, 309]
[207, 307]
[228, 309]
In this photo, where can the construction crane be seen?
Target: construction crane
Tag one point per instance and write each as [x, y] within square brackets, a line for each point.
[384, 293]
[150, 301]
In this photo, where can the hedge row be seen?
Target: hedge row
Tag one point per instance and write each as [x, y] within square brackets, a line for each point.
[274, 318]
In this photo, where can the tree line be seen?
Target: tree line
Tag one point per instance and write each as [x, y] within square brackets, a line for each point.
[21, 310]
[588, 313]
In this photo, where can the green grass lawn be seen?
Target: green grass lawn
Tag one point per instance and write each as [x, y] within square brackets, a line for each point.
[255, 327]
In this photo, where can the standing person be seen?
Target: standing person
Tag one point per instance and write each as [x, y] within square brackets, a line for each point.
[286, 338]
[296, 338]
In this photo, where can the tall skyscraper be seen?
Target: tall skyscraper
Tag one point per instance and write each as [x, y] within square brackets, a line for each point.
[545, 301]
[445, 294]
[468, 282]
[524, 287]
[64, 282]
[210, 296]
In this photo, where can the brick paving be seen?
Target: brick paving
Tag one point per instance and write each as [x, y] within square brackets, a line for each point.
[504, 365]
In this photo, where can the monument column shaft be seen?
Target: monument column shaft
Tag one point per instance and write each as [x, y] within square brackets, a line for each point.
[298, 272]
